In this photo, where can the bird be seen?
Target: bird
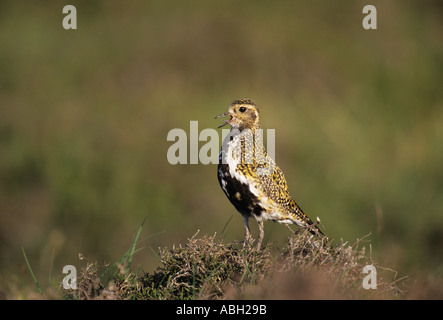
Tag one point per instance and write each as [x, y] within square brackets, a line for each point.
[251, 179]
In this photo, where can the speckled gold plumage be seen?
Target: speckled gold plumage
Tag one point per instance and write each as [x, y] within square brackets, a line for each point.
[251, 180]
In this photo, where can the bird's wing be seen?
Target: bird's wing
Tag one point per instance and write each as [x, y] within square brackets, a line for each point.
[275, 187]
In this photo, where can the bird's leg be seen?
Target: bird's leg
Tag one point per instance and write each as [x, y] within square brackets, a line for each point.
[247, 231]
[261, 234]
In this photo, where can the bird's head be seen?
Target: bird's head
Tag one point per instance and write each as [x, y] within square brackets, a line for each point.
[244, 114]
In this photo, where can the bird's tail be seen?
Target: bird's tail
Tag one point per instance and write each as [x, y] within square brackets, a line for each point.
[313, 227]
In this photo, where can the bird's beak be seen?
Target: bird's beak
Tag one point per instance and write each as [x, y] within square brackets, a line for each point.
[227, 121]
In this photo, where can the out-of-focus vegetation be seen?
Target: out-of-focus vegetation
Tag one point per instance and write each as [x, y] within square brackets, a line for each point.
[84, 116]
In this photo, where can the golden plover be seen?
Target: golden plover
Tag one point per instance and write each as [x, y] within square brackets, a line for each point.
[251, 180]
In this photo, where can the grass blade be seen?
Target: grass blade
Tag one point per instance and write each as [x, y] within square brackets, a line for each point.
[226, 225]
[32, 273]
[134, 244]
[126, 259]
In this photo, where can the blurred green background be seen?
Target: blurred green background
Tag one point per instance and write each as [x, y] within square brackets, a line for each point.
[84, 116]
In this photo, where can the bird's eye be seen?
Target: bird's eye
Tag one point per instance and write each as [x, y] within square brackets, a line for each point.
[242, 109]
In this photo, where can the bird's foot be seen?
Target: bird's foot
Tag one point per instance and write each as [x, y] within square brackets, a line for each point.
[247, 242]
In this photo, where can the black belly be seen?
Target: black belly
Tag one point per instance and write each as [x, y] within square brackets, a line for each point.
[247, 203]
